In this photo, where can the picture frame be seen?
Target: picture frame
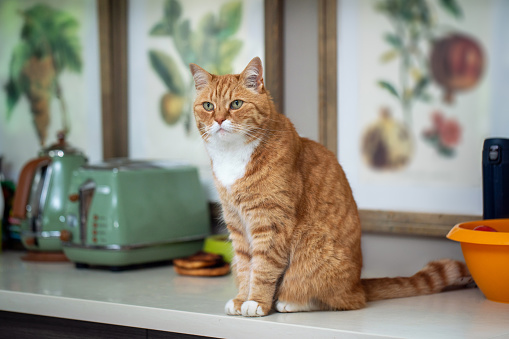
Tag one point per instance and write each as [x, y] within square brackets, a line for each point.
[43, 98]
[112, 16]
[382, 220]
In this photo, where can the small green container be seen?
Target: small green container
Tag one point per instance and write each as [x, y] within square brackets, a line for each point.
[219, 244]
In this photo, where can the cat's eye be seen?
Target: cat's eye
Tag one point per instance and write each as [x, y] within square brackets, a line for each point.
[208, 106]
[236, 104]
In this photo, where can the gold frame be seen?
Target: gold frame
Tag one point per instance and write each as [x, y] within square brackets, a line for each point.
[113, 51]
[424, 224]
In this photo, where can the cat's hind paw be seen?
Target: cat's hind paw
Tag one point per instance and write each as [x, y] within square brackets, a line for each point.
[230, 308]
[287, 307]
[252, 308]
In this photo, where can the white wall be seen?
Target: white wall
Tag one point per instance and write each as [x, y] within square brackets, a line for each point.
[384, 254]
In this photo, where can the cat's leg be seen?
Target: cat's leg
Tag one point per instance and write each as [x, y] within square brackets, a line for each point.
[295, 293]
[269, 260]
[321, 276]
[241, 267]
[352, 298]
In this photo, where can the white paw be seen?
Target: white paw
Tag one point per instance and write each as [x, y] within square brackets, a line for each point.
[229, 308]
[286, 307]
[251, 308]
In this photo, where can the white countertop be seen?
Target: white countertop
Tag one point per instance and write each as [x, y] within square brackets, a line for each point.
[158, 299]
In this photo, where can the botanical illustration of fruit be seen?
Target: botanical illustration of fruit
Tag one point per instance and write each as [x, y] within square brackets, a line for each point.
[431, 56]
[48, 46]
[212, 44]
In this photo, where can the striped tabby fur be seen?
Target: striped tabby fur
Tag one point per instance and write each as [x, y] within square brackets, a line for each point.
[289, 208]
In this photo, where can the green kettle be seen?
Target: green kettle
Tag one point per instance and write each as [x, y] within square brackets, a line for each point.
[42, 194]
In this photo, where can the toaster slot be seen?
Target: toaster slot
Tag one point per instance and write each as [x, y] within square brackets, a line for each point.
[86, 194]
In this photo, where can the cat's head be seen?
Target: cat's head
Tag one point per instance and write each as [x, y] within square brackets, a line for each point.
[231, 107]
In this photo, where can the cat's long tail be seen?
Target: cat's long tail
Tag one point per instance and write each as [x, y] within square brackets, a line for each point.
[435, 277]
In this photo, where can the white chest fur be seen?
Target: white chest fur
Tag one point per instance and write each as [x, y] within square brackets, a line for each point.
[230, 159]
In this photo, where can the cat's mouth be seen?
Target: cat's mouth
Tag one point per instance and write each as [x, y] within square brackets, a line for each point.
[222, 131]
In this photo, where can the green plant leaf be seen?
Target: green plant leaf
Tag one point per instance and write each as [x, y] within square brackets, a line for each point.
[16, 84]
[20, 55]
[389, 87]
[168, 71]
[228, 51]
[452, 7]
[50, 31]
[393, 40]
[172, 10]
[208, 24]
[162, 28]
[230, 17]
[183, 42]
[424, 13]
[420, 86]
[389, 56]
[446, 151]
[425, 97]
[13, 95]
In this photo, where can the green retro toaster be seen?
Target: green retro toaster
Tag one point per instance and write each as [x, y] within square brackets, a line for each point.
[125, 212]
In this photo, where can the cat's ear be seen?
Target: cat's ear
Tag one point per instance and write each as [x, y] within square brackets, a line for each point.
[252, 76]
[201, 77]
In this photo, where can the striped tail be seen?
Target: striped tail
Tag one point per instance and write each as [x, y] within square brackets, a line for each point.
[435, 277]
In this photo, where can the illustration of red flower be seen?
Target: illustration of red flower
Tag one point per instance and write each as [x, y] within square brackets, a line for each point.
[450, 133]
[444, 134]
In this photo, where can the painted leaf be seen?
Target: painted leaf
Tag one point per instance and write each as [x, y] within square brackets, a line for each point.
[228, 50]
[13, 95]
[425, 97]
[424, 14]
[16, 86]
[393, 40]
[172, 10]
[420, 87]
[20, 55]
[183, 42]
[50, 31]
[389, 56]
[230, 17]
[388, 87]
[168, 71]
[208, 24]
[162, 28]
[452, 7]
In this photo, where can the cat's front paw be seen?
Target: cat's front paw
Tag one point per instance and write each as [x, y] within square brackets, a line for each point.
[232, 307]
[253, 308]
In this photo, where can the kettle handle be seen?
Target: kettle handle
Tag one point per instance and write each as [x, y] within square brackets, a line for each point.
[22, 193]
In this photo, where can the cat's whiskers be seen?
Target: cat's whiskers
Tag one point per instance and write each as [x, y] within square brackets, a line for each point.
[205, 132]
[268, 129]
[250, 132]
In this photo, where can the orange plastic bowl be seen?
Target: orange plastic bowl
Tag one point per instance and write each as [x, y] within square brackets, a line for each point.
[486, 255]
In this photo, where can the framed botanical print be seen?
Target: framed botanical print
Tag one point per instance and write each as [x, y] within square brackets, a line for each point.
[49, 71]
[419, 89]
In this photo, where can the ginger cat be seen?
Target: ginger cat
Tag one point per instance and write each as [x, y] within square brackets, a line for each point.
[289, 209]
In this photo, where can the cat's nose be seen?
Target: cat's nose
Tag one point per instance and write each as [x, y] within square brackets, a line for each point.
[220, 120]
